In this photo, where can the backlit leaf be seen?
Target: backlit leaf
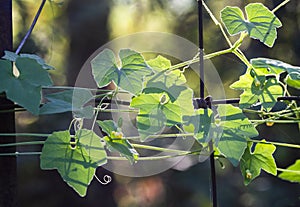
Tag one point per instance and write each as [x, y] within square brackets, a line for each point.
[24, 89]
[129, 76]
[69, 100]
[76, 162]
[114, 140]
[262, 158]
[261, 23]
[236, 129]
[199, 124]
[292, 173]
[277, 67]
[258, 88]
[156, 111]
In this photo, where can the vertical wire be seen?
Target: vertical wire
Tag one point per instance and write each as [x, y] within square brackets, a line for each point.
[31, 27]
[202, 86]
[201, 55]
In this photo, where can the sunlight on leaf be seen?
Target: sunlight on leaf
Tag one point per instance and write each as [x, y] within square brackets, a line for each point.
[129, 76]
[292, 173]
[260, 24]
[69, 100]
[76, 164]
[200, 124]
[236, 129]
[276, 67]
[26, 88]
[258, 88]
[154, 116]
[262, 158]
[115, 142]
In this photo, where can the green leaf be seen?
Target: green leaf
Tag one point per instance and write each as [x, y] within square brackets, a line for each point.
[200, 124]
[236, 130]
[159, 63]
[75, 161]
[39, 61]
[8, 55]
[13, 57]
[261, 23]
[24, 89]
[261, 158]
[114, 140]
[171, 82]
[292, 173]
[129, 76]
[258, 88]
[293, 80]
[156, 111]
[276, 67]
[69, 100]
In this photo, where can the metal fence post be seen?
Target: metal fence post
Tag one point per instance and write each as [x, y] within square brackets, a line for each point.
[8, 165]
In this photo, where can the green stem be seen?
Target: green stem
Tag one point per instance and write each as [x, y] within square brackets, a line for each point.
[276, 143]
[19, 153]
[212, 16]
[208, 56]
[23, 135]
[276, 121]
[280, 5]
[91, 89]
[111, 157]
[290, 171]
[148, 147]
[280, 114]
[99, 108]
[158, 136]
[22, 143]
[12, 110]
[117, 110]
[218, 53]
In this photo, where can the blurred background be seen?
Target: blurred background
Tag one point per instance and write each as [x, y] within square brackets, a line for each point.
[69, 31]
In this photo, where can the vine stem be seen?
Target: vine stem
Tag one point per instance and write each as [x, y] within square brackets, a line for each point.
[132, 137]
[276, 121]
[137, 137]
[149, 147]
[195, 60]
[276, 143]
[290, 171]
[217, 23]
[281, 114]
[22, 143]
[31, 27]
[280, 5]
[24, 135]
[111, 157]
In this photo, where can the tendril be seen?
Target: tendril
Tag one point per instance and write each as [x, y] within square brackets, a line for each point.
[106, 179]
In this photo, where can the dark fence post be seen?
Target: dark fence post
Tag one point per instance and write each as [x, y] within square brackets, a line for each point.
[8, 173]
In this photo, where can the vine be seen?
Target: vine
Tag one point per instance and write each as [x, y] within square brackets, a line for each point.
[225, 128]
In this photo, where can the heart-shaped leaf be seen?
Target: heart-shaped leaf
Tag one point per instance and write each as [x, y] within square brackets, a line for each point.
[129, 76]
[24, 87]
[114, 140]
[156, 111]
[77, 160]
[236, 129]
[261, 23]
[292, 173]
[69, 100]
[262, 158]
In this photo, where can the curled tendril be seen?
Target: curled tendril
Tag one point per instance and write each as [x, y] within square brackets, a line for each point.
[78, 123]
[103, 106]
[191, 61]
[106, 179]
